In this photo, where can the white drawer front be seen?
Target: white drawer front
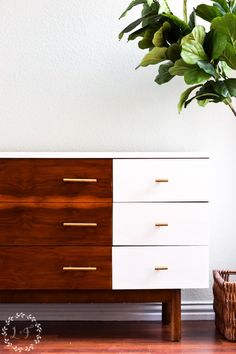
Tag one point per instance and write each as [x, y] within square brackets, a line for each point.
[134, 180]
[135, 224]
[134, 267]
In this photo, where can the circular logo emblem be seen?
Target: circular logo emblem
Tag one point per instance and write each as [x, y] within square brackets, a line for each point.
[21, 332]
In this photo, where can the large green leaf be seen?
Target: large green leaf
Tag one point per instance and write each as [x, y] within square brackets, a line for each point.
[149, 10]
[214, 44]
[222, 11]
[173, 52]
[231, 86]
[151, 19]
[174, 34]
[131, 5]
[195, 76]
[192, 73]
[192, 20]
[185, 95]
[178, 22]
[180, 68]
[159, 36]
[207, 12]
[227, 26]
[229, 56]
[192, 52]
[146, 42]
[198, 34]
[206, 98]
[219, 42]
[221, 89]
[164, 75]
[151, 4]
[139, 33]
[203, 103]
[187, 38]
[223, 4]
[207, 67]
[207, 91]
[130, 27]
[155, 56]
[226, 88]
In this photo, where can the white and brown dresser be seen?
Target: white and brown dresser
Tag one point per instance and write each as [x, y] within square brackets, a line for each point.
[104, 227]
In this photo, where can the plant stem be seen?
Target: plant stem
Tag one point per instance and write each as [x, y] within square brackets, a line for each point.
[185, 11]
[167, 6]
[232, 108]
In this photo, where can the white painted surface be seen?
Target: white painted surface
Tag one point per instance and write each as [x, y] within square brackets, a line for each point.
[68, 84]
[134, 267]
[134, 224]
[134, 180]
[104, 155]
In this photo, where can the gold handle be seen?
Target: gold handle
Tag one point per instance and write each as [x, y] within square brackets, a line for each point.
[161, 224]
[80, 180]
[161, 180]
[79, 268]
[161, 268]
[81, 224]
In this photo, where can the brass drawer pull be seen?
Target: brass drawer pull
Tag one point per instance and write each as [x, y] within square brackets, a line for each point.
[161, 224]
[80, 224]
[79, 268]
[161, 180]
[80, 180]
[161, 268]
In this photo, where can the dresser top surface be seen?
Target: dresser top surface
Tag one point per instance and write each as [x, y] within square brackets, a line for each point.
[106, 155]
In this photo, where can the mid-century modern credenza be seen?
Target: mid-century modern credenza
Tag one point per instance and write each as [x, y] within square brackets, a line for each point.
[104, 227]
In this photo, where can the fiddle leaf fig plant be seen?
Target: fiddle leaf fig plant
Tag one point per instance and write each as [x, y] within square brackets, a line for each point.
[204, 56]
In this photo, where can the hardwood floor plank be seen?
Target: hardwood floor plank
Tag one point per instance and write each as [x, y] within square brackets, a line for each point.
[127, 337]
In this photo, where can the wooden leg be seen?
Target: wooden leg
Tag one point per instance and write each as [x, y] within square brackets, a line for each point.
[166, 313]
[176, 315]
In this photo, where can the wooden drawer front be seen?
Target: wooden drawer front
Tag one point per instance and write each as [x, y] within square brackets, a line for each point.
[134, 267]
[56, 224]
[42, 180]
[160, 180]
[160, 224]
[42, 268]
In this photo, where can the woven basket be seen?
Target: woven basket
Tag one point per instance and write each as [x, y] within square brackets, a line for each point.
[225, 303]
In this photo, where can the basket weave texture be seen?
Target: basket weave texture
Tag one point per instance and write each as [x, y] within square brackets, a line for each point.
[225, 303]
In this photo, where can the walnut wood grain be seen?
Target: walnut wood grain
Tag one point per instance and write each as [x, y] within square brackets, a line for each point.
[85, 296]
[35, 180]
[139, 337]
[42, 224]
[44, 261]
[42, 267]
[175, 315]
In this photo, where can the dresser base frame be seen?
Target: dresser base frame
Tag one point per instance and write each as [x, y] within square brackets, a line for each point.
[170, 299]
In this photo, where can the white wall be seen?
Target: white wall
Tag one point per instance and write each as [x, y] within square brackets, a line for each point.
[67, 83]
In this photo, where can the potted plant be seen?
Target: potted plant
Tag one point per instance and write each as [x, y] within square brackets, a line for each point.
[203, 56]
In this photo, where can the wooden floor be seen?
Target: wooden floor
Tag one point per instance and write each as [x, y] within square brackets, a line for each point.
[127, 337]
